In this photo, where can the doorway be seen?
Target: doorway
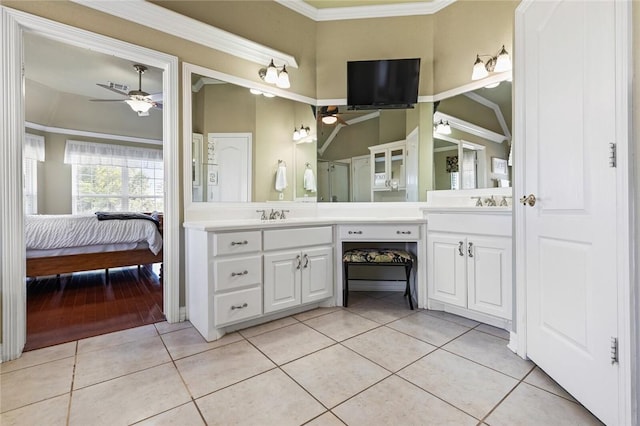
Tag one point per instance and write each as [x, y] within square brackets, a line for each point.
[16, 24]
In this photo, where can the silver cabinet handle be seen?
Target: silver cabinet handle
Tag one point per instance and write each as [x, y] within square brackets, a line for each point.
[299, 262]
[244, 305]
[469, 249]
[355, 232]
[460, 252]
[239, 243]
[403, 232]
[236, 274]
[306, 261]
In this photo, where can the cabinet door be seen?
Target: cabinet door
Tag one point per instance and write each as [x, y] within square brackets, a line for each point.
[489, 275]
[446, 262]
[379, 170]
[396, 167]
[317, 274]
[282, 280]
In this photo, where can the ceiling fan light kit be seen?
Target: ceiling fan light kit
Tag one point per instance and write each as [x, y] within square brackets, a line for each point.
[500, 62]
[329, 119]
[272, 75]
[139, 100]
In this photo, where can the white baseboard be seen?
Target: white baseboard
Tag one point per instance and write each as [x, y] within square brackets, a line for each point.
[182, 313]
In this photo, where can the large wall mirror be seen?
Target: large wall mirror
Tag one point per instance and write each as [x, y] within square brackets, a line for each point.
[359, 159]
[241, 141]
[243, 147]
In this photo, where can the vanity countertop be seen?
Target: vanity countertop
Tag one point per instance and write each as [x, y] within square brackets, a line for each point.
[235, 224]
[469, 210]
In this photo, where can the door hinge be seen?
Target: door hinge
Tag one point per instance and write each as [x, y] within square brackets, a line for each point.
[614, 350]
[612, 155]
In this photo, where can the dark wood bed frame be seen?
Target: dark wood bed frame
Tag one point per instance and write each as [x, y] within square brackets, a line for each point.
[56, 265]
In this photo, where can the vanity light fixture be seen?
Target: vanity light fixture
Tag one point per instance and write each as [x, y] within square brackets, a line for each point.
[272, 75]
[498, 63]
[443, 127]
[302, 133]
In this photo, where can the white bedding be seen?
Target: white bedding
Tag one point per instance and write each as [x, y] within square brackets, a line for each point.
[43, 232]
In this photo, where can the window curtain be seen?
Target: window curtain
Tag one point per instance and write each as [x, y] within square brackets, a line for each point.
[33, 147]
[89, 153]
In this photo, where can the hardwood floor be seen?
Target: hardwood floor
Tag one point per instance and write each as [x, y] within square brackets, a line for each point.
[86, 304]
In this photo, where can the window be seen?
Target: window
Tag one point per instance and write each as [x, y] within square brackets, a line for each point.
[33, 152]
[115, 178]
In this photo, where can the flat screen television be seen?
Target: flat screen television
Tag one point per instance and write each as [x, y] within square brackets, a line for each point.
[385, 83]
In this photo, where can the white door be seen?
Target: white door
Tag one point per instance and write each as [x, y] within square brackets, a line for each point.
[282, 280]
[569, 104]
[489, 275]
[317, 274]
[446, 263]
[229, 167]
[361, 178]
[412, 169]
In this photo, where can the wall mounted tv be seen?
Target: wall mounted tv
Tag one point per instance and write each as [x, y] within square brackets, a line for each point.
[382, 84]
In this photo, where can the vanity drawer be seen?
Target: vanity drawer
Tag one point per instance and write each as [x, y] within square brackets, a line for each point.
[236, 272]
[236, 242]
[276, 239]
[238, 305]
[399, 232]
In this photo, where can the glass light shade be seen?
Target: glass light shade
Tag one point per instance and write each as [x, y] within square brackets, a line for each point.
[255, 91]
[479, 69]
[329, 119]
[272, 73]
[283, 79]
[303, 132]
[268, 95]
[296, 135]
[492, 85]
[446, 129]
[139, 105]
[503, 61]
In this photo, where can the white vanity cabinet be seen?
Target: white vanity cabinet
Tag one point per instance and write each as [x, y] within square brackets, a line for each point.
[224, 278]
[298, 266]
[469, 258]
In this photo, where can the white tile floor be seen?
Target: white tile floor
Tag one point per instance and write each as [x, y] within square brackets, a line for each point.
[375, 363]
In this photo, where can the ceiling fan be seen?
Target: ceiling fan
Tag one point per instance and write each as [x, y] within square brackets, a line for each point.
[139, 100]
[329, 115]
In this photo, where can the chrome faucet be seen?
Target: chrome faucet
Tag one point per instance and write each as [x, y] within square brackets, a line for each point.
[282, 213]
[479, 202]
[504, 202]
[274, 215]
[263, 216]
[490, 201]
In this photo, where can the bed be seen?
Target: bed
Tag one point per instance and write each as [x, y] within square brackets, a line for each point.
[60, 244]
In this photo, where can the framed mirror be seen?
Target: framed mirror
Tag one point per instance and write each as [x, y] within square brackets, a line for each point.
[243, 147]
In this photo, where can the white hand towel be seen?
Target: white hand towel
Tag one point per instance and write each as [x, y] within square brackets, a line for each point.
[309, 180]
[281, 178]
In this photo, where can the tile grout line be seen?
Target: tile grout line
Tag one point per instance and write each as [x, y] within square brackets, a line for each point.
[73, 378]
[507, 395]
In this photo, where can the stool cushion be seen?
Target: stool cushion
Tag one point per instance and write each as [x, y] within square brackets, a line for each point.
[367, 255]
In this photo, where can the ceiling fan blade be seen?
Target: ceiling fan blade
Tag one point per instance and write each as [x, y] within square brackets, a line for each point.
[113, 89]
[157, 105]
[341, 121]
[107, 100]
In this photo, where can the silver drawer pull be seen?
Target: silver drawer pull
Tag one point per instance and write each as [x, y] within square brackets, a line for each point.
[470, 250]
[299, 262]
[355, 232]
[239, 243]
[460, 243]
[403, 232]
[244, 305]
[237, 274]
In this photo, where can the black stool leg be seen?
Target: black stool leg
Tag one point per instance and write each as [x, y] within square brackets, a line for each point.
[345, 286]
[407, 292]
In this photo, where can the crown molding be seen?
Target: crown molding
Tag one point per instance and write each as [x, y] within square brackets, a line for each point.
[365, 12]
[87, 134]
[167, 21]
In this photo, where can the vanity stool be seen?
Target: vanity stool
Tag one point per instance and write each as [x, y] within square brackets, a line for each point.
[376, 257]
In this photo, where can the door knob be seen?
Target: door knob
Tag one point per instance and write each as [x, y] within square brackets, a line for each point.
[528, 199]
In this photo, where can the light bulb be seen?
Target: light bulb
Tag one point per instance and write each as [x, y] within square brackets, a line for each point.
[479, 69]
[272, 73]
